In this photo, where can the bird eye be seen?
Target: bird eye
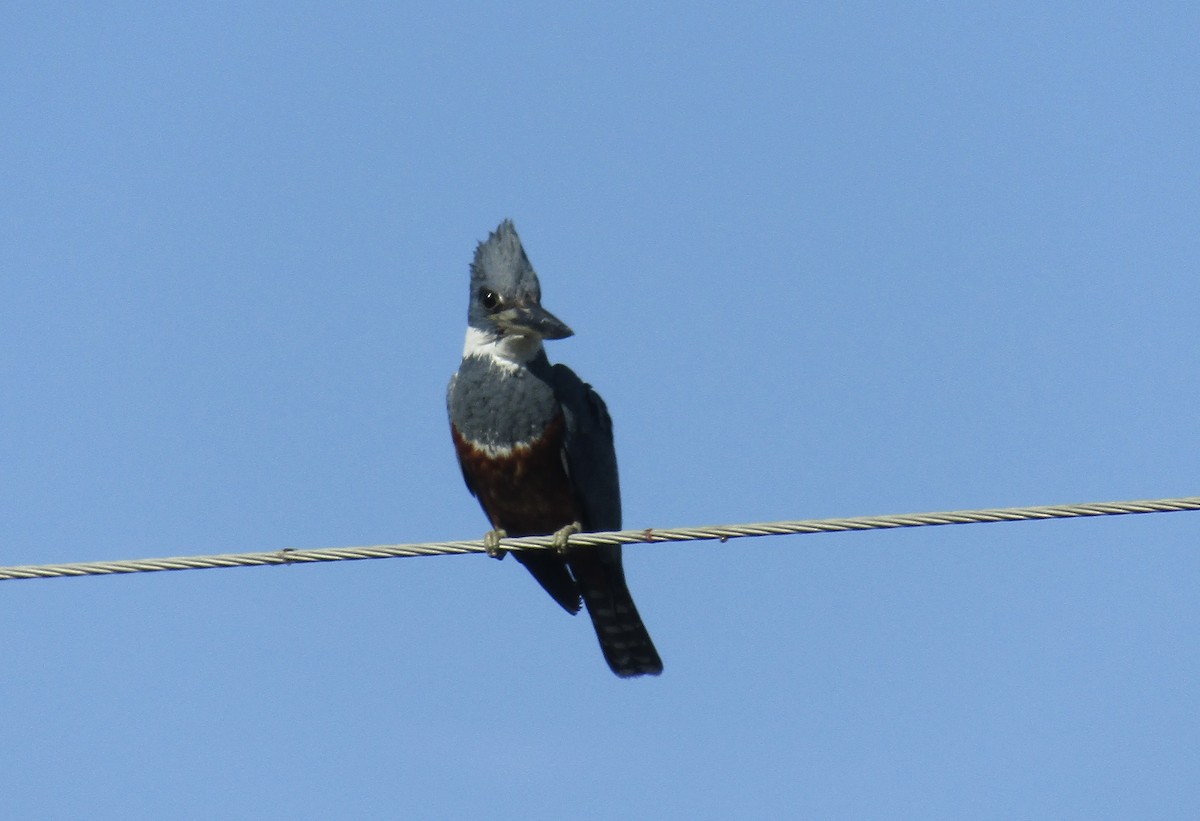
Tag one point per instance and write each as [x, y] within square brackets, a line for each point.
[489, 299]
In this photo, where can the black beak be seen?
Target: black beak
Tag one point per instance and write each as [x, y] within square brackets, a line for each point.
[533, 320]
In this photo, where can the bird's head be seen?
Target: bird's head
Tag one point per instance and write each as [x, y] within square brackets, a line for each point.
[506, 299]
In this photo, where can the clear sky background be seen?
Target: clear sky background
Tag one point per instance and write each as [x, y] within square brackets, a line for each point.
[877, 258]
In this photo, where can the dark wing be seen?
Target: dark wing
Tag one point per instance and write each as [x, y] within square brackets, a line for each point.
[592, 464]
[588, 445]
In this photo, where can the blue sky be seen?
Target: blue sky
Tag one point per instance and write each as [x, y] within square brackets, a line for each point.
[819, 262]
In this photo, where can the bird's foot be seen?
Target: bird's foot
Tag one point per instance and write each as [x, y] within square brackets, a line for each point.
[563, 536]
[491, 543]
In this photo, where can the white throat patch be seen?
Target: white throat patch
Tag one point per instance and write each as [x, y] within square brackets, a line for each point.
[509, 352]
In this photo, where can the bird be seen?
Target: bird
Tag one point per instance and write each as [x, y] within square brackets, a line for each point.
[535, 445]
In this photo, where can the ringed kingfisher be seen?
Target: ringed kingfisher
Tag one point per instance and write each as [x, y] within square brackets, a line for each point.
[535, 445]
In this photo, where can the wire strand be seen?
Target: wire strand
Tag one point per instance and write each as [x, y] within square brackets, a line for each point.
[721, 533]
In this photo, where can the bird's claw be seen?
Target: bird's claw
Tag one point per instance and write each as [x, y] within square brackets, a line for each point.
[563, 536]
[491, 543]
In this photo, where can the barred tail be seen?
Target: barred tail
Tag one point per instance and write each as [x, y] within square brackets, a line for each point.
[623, 638]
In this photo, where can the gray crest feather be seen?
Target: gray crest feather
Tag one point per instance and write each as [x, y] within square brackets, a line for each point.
[501, 264]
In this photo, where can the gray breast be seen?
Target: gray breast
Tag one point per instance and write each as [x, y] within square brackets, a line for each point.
[497, 407]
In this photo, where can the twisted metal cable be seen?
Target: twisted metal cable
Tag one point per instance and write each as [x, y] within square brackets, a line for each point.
[722, 533]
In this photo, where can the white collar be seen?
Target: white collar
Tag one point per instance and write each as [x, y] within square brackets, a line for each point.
[509, 352]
